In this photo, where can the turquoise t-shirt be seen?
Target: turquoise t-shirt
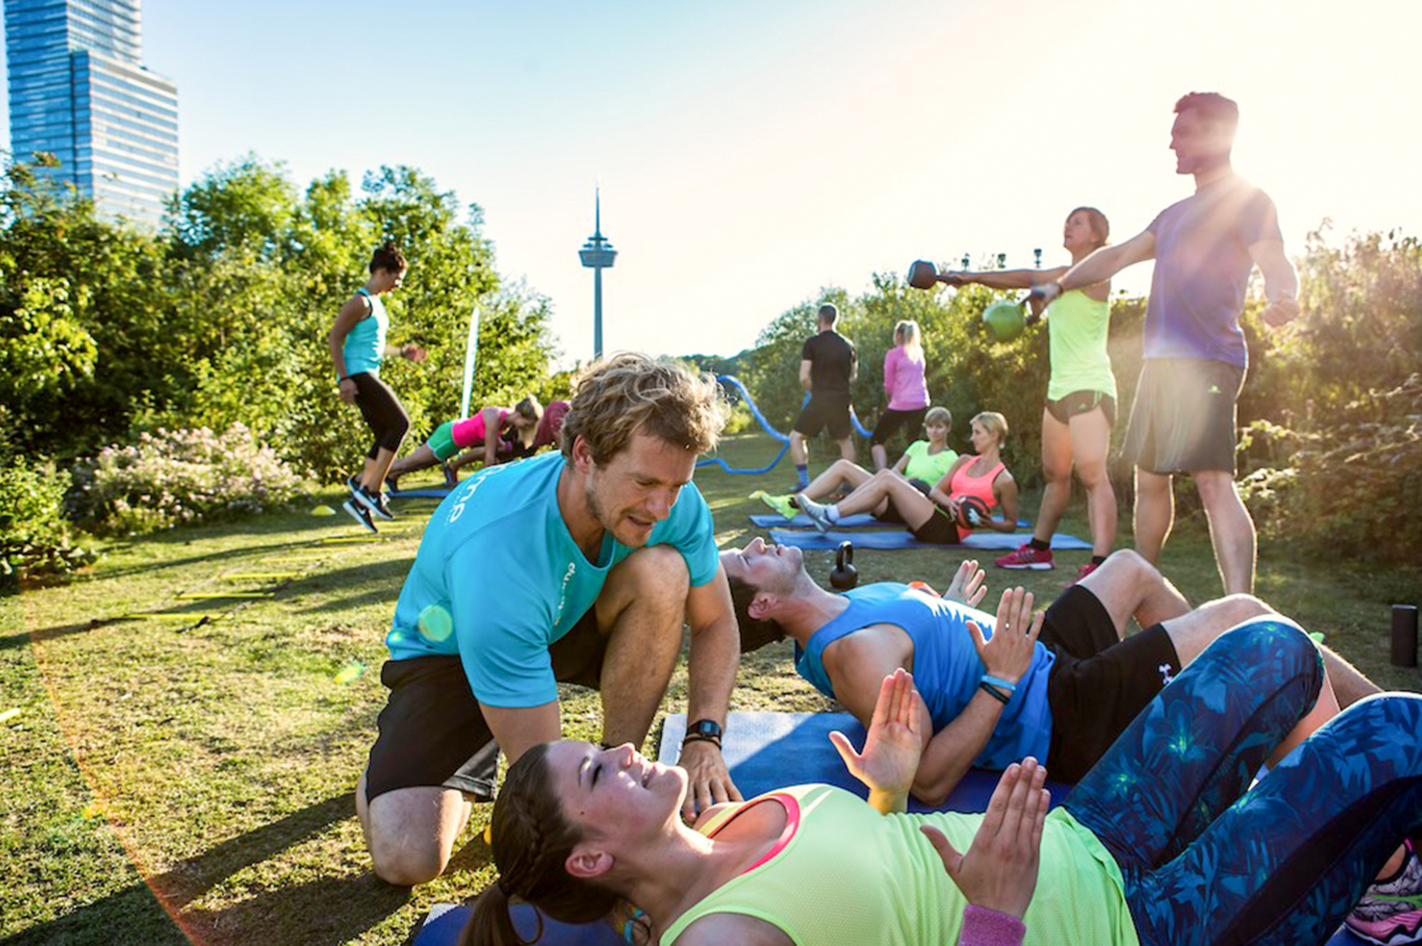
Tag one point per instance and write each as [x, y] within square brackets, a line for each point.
[498, 578]
[365, 344]
[946, 667]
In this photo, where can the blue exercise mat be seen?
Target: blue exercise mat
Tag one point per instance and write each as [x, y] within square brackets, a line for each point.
[884, 541]
[766, 751]
[773, 519]
[430, 493]
[446, 921]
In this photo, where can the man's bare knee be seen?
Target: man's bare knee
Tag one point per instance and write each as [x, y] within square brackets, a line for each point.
[654, 568]
[411, 833]
[407, 868]
[1238, 608]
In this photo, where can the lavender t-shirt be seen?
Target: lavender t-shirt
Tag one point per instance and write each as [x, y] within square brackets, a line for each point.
[1202, 266]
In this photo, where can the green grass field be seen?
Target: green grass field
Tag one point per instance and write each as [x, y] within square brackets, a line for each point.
[188, 775]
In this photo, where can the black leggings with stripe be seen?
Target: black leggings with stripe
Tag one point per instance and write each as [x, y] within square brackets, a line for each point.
[382, 411]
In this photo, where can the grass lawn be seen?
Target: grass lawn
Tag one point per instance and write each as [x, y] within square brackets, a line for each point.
[189, 776]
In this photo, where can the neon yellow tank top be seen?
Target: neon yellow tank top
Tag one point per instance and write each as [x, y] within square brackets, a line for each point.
[1076, 329]
[847, 874]
[929, 467]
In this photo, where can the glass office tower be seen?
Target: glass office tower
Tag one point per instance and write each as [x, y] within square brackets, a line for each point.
[79, 90]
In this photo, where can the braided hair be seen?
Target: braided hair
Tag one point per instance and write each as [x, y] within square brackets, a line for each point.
[532, 840]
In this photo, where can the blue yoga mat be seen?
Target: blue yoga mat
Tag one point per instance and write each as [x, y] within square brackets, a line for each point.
[772, 519]
[982, 541]
[766, 751]
[446, 921]
[430, 493]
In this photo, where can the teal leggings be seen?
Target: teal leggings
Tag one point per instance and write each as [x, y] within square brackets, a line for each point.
[1208, 860]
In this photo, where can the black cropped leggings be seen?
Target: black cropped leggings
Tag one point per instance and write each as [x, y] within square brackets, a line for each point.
[382, 412]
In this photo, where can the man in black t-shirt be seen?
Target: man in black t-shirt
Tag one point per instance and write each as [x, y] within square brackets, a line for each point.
[828, 366]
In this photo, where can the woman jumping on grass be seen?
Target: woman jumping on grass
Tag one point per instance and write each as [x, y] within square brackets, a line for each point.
[935, 517]
[1081, 395]
[357, 342]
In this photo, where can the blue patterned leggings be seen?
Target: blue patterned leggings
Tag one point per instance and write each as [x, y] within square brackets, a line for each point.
[1205, 858]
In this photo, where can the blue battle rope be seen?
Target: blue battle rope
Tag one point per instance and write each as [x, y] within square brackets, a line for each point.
[734, 382]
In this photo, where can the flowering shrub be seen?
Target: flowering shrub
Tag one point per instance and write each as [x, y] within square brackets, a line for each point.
[175, 476]
[34, 536]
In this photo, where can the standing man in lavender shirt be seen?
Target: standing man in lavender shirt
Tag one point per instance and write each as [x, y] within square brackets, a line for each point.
[1205, 246]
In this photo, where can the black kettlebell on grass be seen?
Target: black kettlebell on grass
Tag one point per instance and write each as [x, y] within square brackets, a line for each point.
[845, 576]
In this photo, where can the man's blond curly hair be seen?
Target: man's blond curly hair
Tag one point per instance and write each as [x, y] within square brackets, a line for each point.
[629, 393]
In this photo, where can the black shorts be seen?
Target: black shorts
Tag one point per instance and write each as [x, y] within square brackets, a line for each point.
[938, 529]
[1083, 402]
[891, 512]
[432, 733]
[1184, 416]
[892, 420]
[1099, 683]
[823, 411]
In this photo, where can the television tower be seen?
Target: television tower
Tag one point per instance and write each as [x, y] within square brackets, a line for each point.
[597, 254]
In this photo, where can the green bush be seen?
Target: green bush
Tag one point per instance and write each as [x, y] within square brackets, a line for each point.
[35, 538]
[181, 476]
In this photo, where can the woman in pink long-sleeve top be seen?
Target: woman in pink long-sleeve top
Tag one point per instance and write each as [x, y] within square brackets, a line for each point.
[905, 388]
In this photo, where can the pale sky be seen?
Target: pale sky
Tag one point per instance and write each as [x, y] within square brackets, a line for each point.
[753, 151]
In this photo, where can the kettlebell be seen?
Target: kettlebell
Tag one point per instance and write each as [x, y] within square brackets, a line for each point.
[844, 576]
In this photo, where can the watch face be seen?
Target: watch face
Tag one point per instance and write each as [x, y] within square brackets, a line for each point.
[705, 727]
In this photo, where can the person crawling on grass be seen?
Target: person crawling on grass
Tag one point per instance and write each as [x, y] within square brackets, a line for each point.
[1062, 689]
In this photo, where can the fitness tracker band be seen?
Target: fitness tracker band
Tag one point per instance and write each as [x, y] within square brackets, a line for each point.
[703, 730]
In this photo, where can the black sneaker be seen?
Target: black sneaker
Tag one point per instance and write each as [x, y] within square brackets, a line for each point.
[359, 513]
[353, 485]
[392, 485]
[376, 504]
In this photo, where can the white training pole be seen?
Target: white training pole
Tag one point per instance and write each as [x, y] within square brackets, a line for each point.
[471, 353]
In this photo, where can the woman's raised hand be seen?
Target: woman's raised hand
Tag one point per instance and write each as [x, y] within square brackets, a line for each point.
[895, 741]
[999, 871]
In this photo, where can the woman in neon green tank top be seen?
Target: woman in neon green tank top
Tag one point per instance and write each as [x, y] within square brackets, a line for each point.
[1081, 395]
[1164, 843]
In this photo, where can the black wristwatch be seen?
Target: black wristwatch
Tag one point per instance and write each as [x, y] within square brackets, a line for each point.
[703, 730]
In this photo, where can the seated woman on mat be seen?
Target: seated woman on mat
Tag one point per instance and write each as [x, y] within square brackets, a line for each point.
[924, 463]
[935, 517]
[480, 435]
[1164, 842]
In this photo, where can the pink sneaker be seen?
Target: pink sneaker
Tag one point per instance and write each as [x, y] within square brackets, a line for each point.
[1027, 557]
[1390, 913]
[1085, 570]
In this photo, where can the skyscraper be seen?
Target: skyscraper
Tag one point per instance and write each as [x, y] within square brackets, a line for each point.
[79, 90]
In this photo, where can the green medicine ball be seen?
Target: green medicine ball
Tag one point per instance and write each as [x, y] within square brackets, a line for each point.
[1004, 320]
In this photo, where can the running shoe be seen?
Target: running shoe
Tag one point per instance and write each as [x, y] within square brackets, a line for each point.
[818, 513]
[353, 485]
[392, 484]
[359, 513]
[1085, 570]
[1026, 557]
[374, 503]
[780, 504]
[1390, 913]
[451, 478]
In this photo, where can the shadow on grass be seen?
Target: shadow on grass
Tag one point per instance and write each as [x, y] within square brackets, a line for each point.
[322, 911]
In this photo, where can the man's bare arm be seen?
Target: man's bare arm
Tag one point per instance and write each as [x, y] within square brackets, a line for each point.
[1281, 282]
[805, 374]
[518, 729]
[711, 672]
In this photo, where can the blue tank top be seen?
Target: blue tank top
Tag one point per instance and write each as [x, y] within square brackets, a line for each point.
[365, 344]
[946, 668]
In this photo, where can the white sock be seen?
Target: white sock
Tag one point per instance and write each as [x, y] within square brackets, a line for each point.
[832, 512]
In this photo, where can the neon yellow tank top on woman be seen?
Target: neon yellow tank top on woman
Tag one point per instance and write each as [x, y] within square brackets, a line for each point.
[1076, 329]
[845, 874]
